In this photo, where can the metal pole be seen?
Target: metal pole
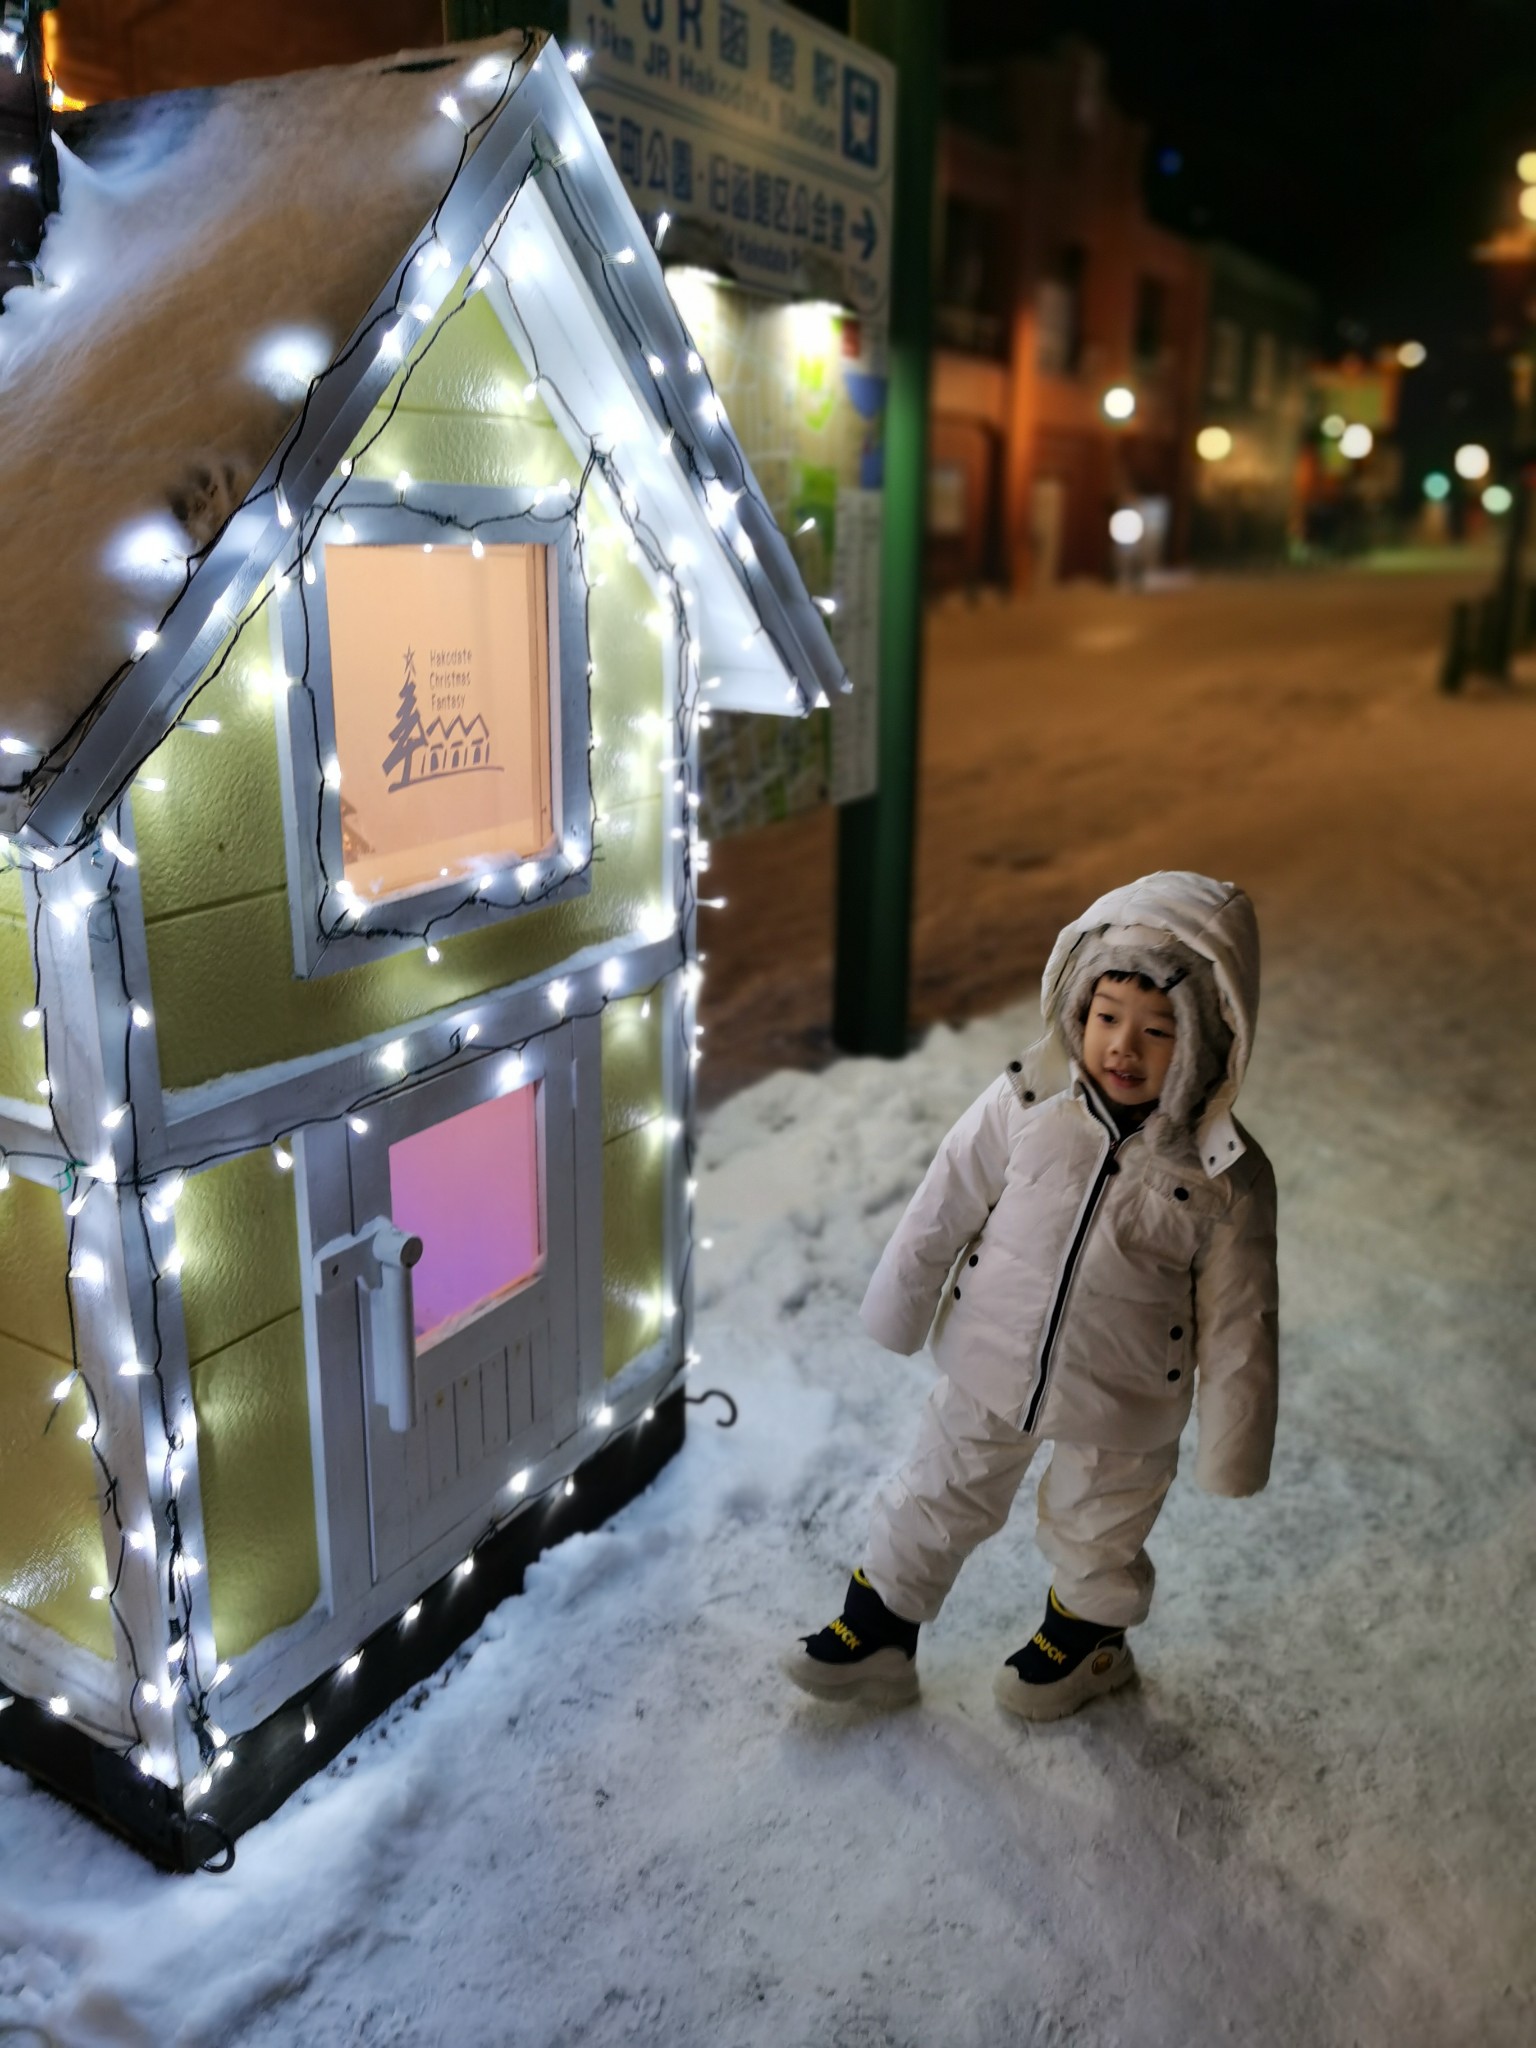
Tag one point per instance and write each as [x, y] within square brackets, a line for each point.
[876, 833]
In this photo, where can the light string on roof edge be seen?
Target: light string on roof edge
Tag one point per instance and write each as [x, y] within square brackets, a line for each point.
[156, 1192]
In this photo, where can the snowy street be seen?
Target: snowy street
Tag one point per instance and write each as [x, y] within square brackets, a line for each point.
[1312, 1824]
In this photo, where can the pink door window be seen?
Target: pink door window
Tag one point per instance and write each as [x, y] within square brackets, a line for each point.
[469, 1189]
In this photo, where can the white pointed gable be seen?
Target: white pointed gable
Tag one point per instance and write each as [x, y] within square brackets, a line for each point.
[536, 217]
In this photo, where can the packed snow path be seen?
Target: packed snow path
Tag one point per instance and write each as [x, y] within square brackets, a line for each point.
[1314, 1820]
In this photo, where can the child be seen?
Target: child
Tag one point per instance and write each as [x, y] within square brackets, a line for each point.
[1105, 1256]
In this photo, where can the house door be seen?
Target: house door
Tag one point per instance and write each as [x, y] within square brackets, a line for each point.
[457, 1264]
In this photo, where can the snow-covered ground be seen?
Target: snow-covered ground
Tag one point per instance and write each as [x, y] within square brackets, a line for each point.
[1314, 1820]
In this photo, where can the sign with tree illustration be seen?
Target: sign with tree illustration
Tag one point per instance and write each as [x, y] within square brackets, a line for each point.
[441, 678]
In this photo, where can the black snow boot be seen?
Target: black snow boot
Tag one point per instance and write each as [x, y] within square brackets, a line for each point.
[1067, 1662]
[867, 1654]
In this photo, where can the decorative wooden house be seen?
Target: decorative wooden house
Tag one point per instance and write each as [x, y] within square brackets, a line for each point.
[347, 919]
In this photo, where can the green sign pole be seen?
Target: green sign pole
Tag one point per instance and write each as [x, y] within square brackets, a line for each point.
[875, 834]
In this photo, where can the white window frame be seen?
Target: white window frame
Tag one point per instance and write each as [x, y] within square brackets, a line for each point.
[326, 936]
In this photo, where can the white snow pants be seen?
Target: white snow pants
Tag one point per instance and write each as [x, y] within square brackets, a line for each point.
[1095, 1508]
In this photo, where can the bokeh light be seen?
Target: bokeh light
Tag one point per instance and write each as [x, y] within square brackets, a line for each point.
[1527, 167]
[1437, 485]
[1412, 354]
[1119, 402]
[1473, 461]
[1213, 444]
[1528, 202]
[1356, 442]
[1497, 499]
[1126, 527]
[1334, 425]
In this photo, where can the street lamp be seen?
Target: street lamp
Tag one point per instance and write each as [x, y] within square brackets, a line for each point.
[1119, 402]
[1472, 461]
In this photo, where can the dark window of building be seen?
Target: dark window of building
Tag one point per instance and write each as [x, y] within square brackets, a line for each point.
[1060, 306]
[977, 279]
[1151, 319]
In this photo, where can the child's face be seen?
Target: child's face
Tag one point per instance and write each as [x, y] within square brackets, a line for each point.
[1128, 1040]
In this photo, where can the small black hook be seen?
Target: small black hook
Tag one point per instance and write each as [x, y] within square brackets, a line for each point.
[717, 1394]
[226, 1849]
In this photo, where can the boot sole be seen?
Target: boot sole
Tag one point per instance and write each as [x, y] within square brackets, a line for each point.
[877, 1681]
[1063, 1696]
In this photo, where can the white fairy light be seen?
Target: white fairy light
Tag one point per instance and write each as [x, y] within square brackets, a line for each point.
[175, 1259]
[403, 482]
[359, 1124]
[663, 222]
[65, 1387]
[59, 1705]
[87, 1430]
[309, 569]
[559, 996]
[603, 1417]
[210, 728]
[154, 783]
[464, 1569]
[488, 71]
[88, 1269]
[527, 875]
[147, 639]
[394, 1056]
[825, 605]
[31, 1019]
[142, 1018]
[712, 409]
[569, 1488]
[448, 106]
[434, 954]
[114, 1117]
[649, 1415]
[77, 1201]
[23, 174]
[309, 1726]
[284, 509]
[350, 1664]
[576, 61]
[656, 366]
[283, 1158]
[9, 744]
[132, 1369]
[412, 1613]
[806, 525]
[332, 773]
[612, 974]
[477, 548]
[695, 362]
[5, 1176]
[511, 1076]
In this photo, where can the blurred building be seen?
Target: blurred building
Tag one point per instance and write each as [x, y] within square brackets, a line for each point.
[1254, 415]
[1056, 290]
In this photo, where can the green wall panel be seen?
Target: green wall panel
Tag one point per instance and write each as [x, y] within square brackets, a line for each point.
[51, 1551]
[632, 1065]
[21, 1051]
[634, 1243]
[238, 1229]
[34, 1257]
[465, 363]
[458, 448]
[257, 1484]
[226, 997]
[214, 834]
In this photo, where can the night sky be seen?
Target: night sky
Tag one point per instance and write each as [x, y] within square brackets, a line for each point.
[1363, 145]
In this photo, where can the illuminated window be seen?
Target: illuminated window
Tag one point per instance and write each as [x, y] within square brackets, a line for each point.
[441, 681]
[469, 1189]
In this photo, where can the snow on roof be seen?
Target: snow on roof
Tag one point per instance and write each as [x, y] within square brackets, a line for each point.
[212, 252]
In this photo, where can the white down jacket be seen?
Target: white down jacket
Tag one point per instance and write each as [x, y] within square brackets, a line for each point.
[1094, 1286]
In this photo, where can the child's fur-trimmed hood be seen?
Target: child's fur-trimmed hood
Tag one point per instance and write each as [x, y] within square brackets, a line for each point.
[1197, 939]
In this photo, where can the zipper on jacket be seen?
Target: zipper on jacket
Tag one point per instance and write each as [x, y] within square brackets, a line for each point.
[1075, 1252]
